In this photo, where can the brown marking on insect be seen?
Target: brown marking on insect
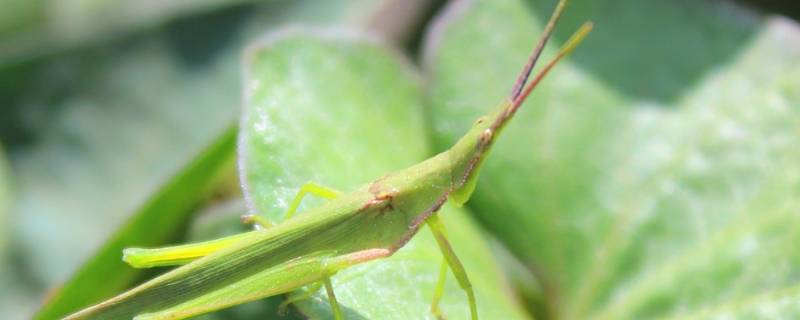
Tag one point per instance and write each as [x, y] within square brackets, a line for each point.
[386, 196]
[382, 199]
[380, 196]
[385, 203]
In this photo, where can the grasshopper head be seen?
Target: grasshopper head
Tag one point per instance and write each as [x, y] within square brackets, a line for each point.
[473, 147]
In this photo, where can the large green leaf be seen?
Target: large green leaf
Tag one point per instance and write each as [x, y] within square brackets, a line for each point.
[656, 173]
[341, 110]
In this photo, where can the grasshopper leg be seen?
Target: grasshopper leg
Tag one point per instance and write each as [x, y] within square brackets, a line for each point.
[458, 269]
[310, 188]
[337, 311]
[311, 289]
[333, 265]
[258, 221]
[177, 255]
[307, 188]
[437, 294]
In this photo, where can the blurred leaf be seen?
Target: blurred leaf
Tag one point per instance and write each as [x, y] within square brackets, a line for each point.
[109, 129]
[656, 173]
[15, 298]
[5, 199]
[155, 223]
[32, 28]
[341, 110]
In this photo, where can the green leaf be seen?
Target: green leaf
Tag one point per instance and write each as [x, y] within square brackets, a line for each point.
[655, 174]
[339, 109]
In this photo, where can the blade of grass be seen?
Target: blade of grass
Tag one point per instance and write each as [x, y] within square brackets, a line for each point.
[159, 219]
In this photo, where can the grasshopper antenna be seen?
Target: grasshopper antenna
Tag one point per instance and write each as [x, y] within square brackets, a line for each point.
[571, 44]
[537, 51]
[520, 91]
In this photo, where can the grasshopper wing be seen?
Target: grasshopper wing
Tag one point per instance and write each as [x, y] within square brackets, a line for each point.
[261, 264]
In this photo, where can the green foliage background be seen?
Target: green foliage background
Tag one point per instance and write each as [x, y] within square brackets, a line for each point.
[655, 174]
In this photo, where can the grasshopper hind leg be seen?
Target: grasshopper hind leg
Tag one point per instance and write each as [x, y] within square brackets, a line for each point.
[332, 265]
[292, 298]
[337, 311]
[307, 188]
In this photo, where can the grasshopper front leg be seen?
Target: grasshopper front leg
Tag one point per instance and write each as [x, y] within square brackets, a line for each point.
[459, 272]
[307, 188]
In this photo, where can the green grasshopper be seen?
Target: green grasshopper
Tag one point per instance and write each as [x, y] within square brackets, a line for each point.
[372, 222]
